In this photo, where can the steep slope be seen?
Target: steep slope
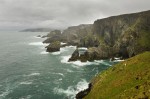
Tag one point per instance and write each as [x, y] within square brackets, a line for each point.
[127, 80]
[127, 34]
[118, 36]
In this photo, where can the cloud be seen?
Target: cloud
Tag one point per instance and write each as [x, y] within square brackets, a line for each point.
[19, 14]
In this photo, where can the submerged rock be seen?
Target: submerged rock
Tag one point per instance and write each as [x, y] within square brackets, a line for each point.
[53, 47]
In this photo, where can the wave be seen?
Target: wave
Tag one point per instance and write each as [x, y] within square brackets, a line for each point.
[25, 83]
[82, 48]
[33, 74]
[63, 49]
[4, 94]
[71, 91]
[61, 74]
[64, 59]
[68, 70]
[38, 44]
[118, 60]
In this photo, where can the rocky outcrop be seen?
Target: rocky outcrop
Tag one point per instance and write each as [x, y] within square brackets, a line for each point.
[75, 33]
[54, 33]
[53, 36]
[75, 56]
[53, 47]
[83, 93]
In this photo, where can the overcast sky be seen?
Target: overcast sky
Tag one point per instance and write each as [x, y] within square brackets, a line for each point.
[20, 14]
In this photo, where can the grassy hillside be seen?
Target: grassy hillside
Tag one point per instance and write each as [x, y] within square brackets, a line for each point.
[127, 80]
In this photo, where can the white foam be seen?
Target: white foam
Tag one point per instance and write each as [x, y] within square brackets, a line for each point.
[33, 74]
[38, 44]
[55, 53]
[64, 59]
[118, 60]
[68, 70]
[82, 48]
[63, 43]
[44, 52]
[59, 52]
[71, 91]
[4, 94]
[26, 83]
[74, 47]
[61, 74]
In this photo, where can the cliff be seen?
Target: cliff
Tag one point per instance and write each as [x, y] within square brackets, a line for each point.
[127, 80]
[118, 36]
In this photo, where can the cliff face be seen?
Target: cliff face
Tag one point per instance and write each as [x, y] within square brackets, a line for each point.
[75, 33]
[119, 36]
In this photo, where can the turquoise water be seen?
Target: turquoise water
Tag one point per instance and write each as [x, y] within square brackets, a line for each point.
[28, 72]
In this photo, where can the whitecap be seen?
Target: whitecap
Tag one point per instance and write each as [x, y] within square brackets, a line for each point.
[68, 70]
[33, 74]
[71, 91]
[25, 83]
[4, 94]
[61, 74]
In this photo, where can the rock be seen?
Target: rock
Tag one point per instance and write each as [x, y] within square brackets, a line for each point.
[83, 93]
[53, 47]
[52, 39]
[39, 36]
[75, 56]
[43, 36]
[54, 33]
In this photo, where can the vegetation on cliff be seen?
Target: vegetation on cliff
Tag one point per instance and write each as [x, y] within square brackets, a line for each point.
[129, 79]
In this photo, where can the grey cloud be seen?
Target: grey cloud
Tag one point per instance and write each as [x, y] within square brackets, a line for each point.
[19, 14]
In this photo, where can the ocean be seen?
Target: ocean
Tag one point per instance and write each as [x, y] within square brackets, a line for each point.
[27, 71]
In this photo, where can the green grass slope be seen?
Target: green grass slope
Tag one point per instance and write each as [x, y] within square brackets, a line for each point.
[129, 79]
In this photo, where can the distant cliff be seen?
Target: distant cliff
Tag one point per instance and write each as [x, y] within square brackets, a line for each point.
[37, 30]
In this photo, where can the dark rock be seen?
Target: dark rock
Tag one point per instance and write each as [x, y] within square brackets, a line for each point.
[83, 93]
[43, 36]
[53, 47]
[75, 56]
[39, 36]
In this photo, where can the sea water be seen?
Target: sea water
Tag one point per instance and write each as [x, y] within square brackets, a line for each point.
[27, 71]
